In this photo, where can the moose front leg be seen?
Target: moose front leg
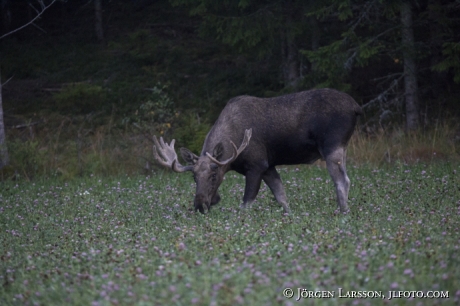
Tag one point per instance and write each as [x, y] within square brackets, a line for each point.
[335, 163]
[253, 180]
[272, 178]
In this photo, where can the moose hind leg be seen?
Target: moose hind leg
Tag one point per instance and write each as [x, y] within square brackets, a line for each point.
[272, 178]
[335, 162]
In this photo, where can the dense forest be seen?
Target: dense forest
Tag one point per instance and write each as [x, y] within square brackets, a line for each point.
[169, 67]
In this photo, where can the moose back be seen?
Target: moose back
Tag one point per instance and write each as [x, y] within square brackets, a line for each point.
[298, 128]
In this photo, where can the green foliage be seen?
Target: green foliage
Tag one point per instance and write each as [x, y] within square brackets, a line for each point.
[329, 65]
[254, 32]
[325, 8]
[365, 52]
[134, 240]
[249, 27]
[451, 51]
[225, 49]
[156, 115]
[140, 45]
[357, 41]
[345, 9]
[82, 98]
[27, 159]
[191, 132]
[242, 4]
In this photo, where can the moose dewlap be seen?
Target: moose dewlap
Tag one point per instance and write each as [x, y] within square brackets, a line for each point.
[297, 128]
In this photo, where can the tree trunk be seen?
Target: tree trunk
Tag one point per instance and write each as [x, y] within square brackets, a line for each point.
[291, 69]
[439, 79]
[4, 159]
[410, 69]
[98, 22]
[291, 64]
[315, 35]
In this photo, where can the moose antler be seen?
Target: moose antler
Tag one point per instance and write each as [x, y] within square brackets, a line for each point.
[244, 144]
[166, 155]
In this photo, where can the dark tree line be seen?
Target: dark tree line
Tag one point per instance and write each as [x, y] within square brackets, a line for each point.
[400, 46]
[394, 55]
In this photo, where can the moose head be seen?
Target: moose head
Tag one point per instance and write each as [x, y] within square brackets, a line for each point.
[208, 169]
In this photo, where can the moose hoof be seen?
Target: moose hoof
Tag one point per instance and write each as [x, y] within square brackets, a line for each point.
[342, 212]
[245, 206]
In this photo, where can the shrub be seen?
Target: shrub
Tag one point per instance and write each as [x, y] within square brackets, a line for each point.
[191, 132]
[81, 98]
[27, 159]
[155, 116]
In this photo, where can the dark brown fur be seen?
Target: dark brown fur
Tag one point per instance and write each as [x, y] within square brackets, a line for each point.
[297, 128]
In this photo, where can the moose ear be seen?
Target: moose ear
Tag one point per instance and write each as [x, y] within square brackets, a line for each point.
[218, 151]
[188, 156]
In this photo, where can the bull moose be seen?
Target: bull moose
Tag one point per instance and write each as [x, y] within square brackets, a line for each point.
[297, 128]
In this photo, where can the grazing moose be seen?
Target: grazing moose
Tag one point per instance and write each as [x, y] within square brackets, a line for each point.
[297, 128]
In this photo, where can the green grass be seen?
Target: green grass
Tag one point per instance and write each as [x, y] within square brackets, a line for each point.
[136, 240]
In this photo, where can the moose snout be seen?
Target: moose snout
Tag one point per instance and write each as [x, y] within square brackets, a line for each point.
[201, 203]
